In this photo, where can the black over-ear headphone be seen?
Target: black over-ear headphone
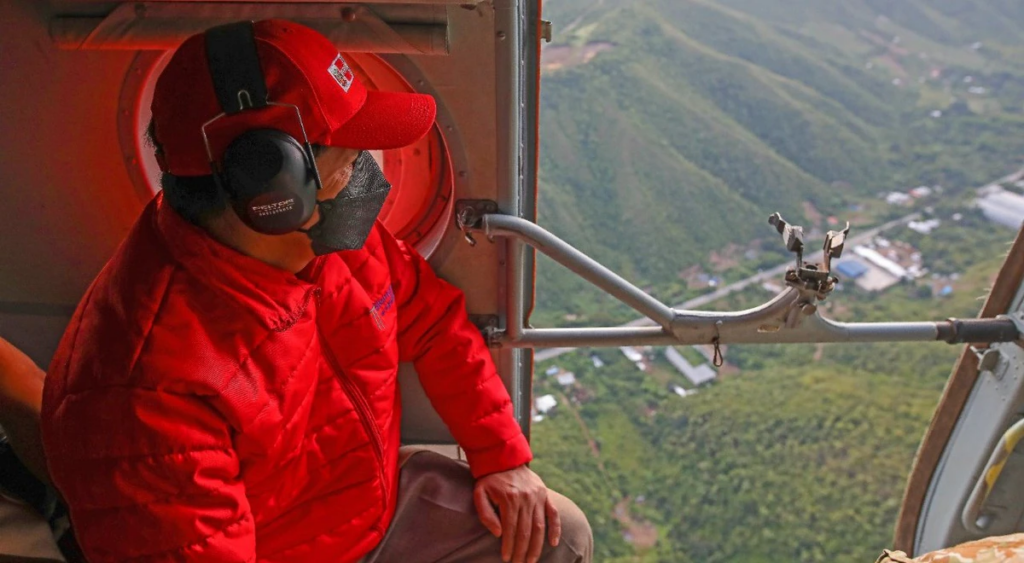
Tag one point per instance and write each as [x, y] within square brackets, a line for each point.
[270, 178]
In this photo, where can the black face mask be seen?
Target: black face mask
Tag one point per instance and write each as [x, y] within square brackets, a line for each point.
[346, 220]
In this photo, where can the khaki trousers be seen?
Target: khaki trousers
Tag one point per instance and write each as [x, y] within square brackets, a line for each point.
[24, 534]
[436, 520]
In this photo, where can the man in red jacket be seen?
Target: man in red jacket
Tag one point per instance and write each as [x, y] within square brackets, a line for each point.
[226, 390]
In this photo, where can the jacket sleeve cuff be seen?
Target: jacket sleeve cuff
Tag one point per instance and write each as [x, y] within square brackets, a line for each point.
[510, 455]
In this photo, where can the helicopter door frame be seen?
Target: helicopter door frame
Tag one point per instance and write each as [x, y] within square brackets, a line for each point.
[519, 115]
[947, 502]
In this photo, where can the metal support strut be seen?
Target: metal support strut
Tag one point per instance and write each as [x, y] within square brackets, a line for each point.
[792, 316]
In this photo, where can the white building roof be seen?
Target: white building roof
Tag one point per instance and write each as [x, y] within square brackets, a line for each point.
[632, 354]
[1003, 207]
[897, 198]
[567, 378]
[545, 403]
[697, 375]
[872, 255]
[924, 227]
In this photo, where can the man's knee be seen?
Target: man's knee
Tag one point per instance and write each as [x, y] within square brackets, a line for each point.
[576, 533]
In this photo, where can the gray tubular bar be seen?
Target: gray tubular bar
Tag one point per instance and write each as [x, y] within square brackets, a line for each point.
[579, 263]
[815, 330]
[593, 337]
[780, 320]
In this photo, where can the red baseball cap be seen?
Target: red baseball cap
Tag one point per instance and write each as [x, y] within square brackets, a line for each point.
[301, 67]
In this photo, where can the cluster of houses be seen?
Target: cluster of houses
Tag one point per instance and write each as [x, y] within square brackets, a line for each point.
[697, 375]
[882, 263]
[545, 403]
[567, 380]
[908, 197]
[643, 359]
[999, 205]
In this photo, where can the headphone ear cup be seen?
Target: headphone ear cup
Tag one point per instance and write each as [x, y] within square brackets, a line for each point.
[270, 182]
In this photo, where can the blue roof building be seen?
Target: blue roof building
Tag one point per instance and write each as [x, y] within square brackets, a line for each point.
[852, 269]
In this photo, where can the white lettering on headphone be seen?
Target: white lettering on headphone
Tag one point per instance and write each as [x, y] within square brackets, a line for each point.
[273, 208]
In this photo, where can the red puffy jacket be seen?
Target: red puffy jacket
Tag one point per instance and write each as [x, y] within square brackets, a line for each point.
[204, 405]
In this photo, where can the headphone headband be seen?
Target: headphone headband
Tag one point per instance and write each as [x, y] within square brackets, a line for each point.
[235, 67]
[269, 176]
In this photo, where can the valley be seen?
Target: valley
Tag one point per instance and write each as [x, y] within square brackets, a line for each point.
[670, 130]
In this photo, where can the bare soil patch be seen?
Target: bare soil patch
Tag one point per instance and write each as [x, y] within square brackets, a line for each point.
[725, 259]
[638, 532]
[812, 213]
[560, 57]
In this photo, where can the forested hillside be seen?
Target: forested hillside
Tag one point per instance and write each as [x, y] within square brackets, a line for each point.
[796, 453]
[672, 128]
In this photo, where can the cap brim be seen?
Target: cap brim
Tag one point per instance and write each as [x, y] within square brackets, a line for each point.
[388, 120]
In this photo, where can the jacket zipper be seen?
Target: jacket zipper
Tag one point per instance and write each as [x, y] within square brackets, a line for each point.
[362, 409]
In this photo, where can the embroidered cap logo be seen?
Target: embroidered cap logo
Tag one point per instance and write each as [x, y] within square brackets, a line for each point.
[342, 73]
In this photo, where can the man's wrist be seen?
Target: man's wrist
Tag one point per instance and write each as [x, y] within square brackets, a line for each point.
[513, 453]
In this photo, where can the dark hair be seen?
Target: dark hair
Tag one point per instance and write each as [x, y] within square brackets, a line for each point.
[196, 198]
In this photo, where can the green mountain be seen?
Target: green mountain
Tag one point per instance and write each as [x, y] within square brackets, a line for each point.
[670, 130]
[796, 453]
[673, 128]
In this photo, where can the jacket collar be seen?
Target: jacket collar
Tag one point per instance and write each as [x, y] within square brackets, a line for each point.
[276, 296]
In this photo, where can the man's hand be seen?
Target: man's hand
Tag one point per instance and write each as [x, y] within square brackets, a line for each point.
[522, 500]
